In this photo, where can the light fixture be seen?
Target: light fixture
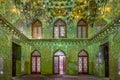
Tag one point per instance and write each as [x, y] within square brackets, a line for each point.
[14, 9]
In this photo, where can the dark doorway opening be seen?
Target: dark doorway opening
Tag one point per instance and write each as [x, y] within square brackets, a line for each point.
[16, 55]
[105, 50]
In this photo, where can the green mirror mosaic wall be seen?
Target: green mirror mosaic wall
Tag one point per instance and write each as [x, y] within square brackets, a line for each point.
[71, 46]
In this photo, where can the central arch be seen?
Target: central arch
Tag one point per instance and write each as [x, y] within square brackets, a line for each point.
[59, 62]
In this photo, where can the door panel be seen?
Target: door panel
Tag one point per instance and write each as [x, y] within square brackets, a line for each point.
[35, 66]
[80, 64]
[38, 64]
[83, 65]
[56, 64]
[64, 65]
[59, 65]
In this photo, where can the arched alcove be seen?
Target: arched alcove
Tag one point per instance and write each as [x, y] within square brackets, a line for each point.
[83, 62]
[35, 62]
[59, 30]
[59, 60]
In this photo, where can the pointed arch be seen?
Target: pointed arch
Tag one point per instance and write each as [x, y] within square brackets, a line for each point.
[35, 62]
[59, 22]
[82, 22]
[35, 53]
[59, 29]
[37, 29]
[59, 62]
[83, 60]
[83, 53]
[82, 29]
[61, 52]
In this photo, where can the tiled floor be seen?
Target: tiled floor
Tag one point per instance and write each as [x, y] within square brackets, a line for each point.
[58, 77]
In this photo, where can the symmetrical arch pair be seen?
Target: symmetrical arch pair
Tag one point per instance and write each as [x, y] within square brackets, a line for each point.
[59, 62]
[59, 30]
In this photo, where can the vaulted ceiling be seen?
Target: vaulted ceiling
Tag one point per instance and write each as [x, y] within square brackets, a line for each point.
[24, 12]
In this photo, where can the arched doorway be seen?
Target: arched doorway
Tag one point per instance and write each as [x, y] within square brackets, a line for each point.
[16, 56]
[59, 63]
[83, 62]
[35, 63]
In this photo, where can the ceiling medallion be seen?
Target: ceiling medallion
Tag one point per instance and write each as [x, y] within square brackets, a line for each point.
[59, 12]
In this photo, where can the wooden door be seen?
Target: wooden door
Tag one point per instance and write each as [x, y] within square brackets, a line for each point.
[83, 63]
[35, 63]
[59, 64]
[56, 64]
